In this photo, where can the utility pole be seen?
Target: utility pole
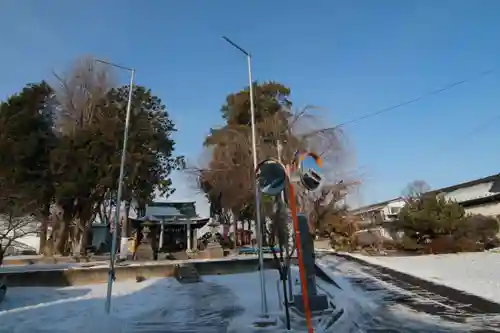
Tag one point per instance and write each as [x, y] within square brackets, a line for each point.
[279, 148]
[258, 221]
[111, 273]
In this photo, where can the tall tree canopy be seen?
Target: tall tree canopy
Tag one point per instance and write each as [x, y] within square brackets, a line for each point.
[26, 141]
[270, 98]
[228, 177]
[65, 144]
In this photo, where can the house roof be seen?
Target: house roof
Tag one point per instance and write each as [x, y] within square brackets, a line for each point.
[467, 184]
[172, 209]
[375, 205]
[172, 221]
[170, 203]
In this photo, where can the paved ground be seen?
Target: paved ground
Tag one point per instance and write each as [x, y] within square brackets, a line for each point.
[388, 289]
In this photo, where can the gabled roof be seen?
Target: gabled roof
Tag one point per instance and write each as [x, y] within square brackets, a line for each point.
[467, 184]
[172, 209]
[170, 203]
[375, 205]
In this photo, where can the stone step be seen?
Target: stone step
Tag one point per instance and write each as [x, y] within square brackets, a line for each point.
[187, 273]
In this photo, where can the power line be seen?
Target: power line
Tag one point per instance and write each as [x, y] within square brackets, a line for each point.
[416, 99]
[467, 134]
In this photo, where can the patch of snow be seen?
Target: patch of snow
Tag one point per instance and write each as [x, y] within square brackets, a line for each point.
[32, 241]
[155, 305]
[376, 308]
[474, 273]
[78, 309]
[229, 303]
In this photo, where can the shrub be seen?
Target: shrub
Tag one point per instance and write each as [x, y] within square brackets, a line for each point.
[427, 217]
[408, 244]
[482, 228]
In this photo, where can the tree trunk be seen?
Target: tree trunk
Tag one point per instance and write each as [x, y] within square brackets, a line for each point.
[76, 237]
[235, 226]
[2, 254]
[62, 237]
[125, 226]
[85, 239]
[49, 245]
[81, 231]
[44, 228]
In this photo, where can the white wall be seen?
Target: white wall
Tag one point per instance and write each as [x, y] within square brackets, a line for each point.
[391, 205]
[27, 225]
[469, 193]
[489, 209]
[32, 241]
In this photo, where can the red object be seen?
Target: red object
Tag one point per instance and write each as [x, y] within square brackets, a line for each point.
[244, 237]
[305, 296]
[225, 230]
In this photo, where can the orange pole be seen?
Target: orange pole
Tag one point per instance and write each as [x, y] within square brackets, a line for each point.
[305, 296]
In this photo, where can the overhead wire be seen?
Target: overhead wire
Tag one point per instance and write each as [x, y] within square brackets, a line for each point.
[447, 87]
[416, 99]
[467, 134]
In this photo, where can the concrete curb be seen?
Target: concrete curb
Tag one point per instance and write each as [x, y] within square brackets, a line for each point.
[81, 275]
[475, 303]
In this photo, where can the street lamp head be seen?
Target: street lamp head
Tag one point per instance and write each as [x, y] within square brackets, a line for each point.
[242, 50]
[114, 65]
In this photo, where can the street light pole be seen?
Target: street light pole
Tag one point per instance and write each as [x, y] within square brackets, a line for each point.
[279, 148]
[258, 223]
[111, 273]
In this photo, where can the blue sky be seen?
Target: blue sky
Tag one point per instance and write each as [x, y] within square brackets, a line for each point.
[349, 57]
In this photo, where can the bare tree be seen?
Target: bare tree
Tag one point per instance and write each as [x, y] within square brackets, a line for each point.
[16, 219]
[80, 90]
[416, 188]
[230, 173]
[227, 178]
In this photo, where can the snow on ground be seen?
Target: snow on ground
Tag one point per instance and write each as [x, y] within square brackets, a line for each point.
[221, 303]
[37, 267]
[100, 264]
[474, 273]
[369, 310]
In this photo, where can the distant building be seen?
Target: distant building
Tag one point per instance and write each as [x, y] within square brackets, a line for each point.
[371, 220]
[479, 196]
[175, 223]
[380, 212]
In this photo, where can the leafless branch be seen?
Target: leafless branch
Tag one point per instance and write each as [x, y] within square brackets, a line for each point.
[80, 90]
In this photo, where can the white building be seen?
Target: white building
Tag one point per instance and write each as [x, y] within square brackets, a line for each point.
[373, 217]
[379, 212]
[480, 196]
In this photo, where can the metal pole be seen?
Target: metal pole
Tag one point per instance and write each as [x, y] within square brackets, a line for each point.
[279, 147]
[257, 195]
[258, 223]
[111, 274]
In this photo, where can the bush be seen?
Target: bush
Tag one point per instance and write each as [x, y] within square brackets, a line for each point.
[482, 228]
[408, 244]
[428, 217]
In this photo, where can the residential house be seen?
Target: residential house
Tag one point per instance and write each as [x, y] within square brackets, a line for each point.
[479, 196]
[379, 213]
